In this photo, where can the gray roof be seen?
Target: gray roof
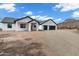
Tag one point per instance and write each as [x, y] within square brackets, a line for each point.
[13, 20]
[42, 22]
[8, 20]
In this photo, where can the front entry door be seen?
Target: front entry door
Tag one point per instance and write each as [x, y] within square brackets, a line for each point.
[33, 27]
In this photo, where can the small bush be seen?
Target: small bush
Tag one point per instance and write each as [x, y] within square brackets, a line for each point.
[78, 27]
[0, 29]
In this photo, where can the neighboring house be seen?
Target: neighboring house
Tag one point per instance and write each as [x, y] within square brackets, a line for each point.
[27, 24]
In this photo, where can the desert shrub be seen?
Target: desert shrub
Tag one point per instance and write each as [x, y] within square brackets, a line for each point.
[1, 43]
[4, 35]
[1, 46]
[68, 27]
[22, 49]
[78, 27]
[63, 27]
[0, 29]
[73, 27]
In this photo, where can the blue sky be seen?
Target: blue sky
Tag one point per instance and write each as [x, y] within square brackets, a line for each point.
[40, 11]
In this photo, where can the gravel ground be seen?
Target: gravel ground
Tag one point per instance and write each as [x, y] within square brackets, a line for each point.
[53, 43]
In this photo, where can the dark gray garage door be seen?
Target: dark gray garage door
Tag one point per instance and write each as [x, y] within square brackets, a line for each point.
[51, 27]
[45, 27]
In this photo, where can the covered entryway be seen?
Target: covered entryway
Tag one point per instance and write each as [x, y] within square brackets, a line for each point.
[33, 26]
[51, 27]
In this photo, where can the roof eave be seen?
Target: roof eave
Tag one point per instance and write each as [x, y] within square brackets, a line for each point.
[48, 20]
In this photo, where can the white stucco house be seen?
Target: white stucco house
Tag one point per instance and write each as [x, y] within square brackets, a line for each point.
[27, 24]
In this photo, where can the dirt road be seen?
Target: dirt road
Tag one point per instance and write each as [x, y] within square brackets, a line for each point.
[58, 42]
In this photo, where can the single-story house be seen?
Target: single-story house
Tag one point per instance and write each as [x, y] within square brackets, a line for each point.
[27, 24]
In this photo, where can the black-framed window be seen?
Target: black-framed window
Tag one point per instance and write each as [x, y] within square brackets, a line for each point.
[22, 25]
[9, 25]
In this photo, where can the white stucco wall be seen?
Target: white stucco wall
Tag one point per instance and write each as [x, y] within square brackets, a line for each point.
[21, 29]
[21, 22]
[28, 26]
[47, 23]
[16, 26]
[40, 27]
[4, 27]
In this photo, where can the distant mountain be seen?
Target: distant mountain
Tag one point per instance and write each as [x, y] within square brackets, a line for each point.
[70, 19]
[69, 24]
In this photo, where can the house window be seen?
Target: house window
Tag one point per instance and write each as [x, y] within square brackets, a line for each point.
[22, 25]
[9, 25]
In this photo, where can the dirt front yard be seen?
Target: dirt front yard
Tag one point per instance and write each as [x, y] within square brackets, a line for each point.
[39, 43]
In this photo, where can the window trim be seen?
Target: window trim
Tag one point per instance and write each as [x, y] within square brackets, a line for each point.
[22, 25]
[9, 25]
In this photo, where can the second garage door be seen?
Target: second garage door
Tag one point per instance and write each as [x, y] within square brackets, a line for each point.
[46, 27]
[51, 27]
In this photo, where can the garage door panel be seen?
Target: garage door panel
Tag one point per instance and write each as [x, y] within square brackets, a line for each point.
[48, 27]
[51, 27]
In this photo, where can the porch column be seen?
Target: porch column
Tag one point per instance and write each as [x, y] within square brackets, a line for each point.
[16, 26]
[37, 27]
[47, 27]
[29, 27]
[55, 27]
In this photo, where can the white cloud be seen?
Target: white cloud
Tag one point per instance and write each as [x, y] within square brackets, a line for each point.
[41, 17]
[38, 17]
[22, 7]
[75, 14]
[58, 20]
[40, 11]
[28, 13]
[10, 7]
[67, 6]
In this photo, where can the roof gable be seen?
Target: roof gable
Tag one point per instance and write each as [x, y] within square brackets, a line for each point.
[35, 21]
[47, 21]
[26, 19]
